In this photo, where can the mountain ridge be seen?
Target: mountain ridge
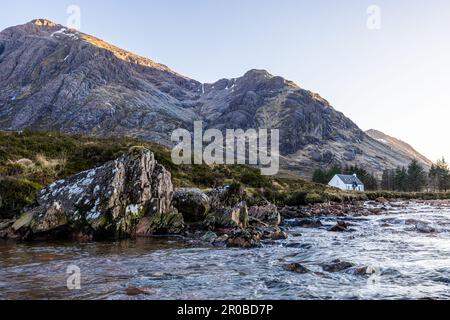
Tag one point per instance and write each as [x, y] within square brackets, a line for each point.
[398, 145]
[64, 80]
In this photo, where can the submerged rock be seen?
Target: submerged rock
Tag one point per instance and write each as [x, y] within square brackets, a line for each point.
[293, 212]
[297, 268]
[337, 266]
[193, 204]
[364, 271]
[340, 226]
[132, 291]
[108, 201]
[295, 245]
[424, 227]
[274, 233]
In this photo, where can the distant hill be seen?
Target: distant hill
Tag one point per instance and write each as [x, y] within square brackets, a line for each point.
[399, 146]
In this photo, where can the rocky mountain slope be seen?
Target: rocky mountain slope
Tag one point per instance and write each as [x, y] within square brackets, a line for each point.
[53, 78]
[399, 146]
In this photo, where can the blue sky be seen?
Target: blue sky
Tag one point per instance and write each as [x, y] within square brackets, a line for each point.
[395, 79]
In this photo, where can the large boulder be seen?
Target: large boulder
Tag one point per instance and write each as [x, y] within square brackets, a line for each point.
[192, 203]
[108, 201]
[160, 224]
[243, 238]
[267, 214]
[225, 196]
[233, 217]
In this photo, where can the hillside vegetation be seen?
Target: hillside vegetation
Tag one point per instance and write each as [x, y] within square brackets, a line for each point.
[31, 160]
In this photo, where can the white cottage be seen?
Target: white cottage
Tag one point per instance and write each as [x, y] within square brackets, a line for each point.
[347, 182]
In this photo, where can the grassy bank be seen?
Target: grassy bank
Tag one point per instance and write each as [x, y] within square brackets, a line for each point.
[31, 160]
[408, 195]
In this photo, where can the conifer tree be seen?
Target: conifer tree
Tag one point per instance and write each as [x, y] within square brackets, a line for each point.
[416, 177]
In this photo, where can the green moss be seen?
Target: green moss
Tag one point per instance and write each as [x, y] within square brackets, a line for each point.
[83, 153]
[25, 220]
[167, 223]
[15, 194]
[100, 223]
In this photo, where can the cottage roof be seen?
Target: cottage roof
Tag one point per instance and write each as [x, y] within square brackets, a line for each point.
[350, 179]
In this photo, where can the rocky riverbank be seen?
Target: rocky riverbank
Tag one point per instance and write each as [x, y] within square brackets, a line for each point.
[133, 196]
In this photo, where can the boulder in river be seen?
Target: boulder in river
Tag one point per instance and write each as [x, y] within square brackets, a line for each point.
[297, 268]
[297, 245]
[160, 224]
[225, 196]
[105, 202]
[364, 271]
[243, 238]
[340, 226]
[337, 266]
[133, 291]
[306, 223]
[424, 227]
[267, 214]
[381, 200]
[272, 233]
[232, 217]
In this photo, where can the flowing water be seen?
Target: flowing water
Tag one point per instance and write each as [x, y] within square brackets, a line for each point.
[406, 250]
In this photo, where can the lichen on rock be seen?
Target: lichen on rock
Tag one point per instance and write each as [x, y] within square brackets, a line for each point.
[108, 201]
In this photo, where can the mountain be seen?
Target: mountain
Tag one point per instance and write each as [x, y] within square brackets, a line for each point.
[399, 146]
[54, 78]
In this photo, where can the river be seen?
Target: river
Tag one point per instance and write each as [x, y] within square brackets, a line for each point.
[407, 251]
